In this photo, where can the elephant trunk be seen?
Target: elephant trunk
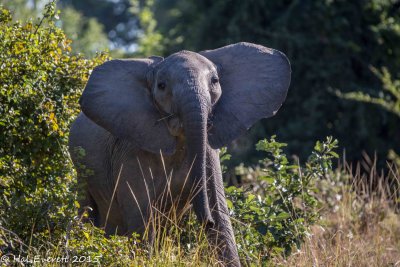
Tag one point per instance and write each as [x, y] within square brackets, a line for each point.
[194, 118]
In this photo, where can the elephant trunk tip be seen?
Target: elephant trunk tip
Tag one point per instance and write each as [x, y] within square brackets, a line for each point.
[200, 202]
[203, 214]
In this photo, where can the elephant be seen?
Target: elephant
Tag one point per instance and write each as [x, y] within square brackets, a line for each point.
[156, 124]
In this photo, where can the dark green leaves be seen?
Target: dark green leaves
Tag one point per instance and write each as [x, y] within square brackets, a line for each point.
[272, 216]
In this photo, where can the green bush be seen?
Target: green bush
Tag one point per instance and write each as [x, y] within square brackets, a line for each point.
[272, 216]
[40, 83]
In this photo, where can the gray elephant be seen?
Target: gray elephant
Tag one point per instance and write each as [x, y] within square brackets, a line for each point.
[154, 125]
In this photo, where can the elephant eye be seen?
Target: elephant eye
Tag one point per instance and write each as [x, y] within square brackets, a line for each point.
[161, 86]
[214, 80]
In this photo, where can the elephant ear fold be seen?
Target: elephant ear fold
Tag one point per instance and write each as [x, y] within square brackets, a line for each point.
[116, 98]
[254, 80]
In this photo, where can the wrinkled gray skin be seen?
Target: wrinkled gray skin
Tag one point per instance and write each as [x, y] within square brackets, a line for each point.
[185, 106]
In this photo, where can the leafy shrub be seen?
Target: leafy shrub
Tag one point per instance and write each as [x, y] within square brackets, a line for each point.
[40, 83]
[272, 216]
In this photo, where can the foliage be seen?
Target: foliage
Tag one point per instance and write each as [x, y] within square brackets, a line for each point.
[40, 83]
[273, 215]
[87, 34]
[224, 156]
[388, 98]
[116, 16]
[149, 40]
[330, 44]
[90, 242]
[21, 9]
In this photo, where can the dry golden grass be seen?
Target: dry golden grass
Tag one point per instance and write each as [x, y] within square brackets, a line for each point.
[360, 229]
[370, 240]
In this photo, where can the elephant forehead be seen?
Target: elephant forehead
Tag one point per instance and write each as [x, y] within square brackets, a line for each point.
[189, 61]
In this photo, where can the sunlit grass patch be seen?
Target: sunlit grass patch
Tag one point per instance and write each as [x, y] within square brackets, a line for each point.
[360, 225]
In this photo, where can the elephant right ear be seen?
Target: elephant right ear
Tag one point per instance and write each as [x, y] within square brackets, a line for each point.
[116, 98]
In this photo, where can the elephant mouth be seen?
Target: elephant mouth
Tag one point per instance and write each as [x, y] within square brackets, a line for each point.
[172, 120]
[175, 125]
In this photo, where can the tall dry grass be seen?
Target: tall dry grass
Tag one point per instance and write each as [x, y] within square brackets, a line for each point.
[360, 225]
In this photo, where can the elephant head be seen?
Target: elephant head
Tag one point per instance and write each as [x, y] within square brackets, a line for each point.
[211, 97]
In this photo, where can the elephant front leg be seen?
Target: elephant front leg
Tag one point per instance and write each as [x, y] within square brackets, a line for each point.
[221, 234]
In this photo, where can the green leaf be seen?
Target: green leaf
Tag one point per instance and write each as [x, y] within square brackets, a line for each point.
[86, 235]
[282, 216]
[229, 203]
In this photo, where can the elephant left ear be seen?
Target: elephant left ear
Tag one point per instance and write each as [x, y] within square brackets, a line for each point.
[254, 80]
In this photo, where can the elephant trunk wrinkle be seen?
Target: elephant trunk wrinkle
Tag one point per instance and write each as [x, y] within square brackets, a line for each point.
[194, 118]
